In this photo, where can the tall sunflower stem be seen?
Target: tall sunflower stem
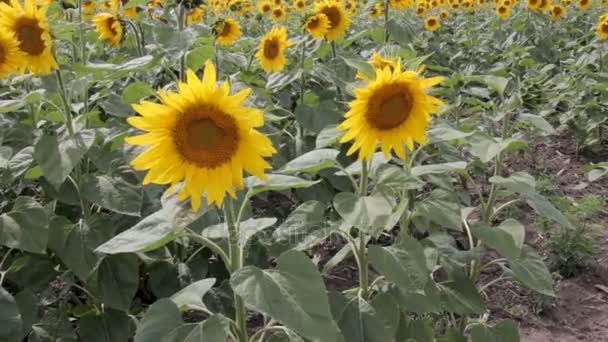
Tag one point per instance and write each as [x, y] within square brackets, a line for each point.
[66, 104]
[335, 55]
[138, 44]
[236, 262]
[299, 129]
[362, 250]
[181, 25]
[386, 15]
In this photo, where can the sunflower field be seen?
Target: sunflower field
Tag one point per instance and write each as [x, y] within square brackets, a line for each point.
[296, 170]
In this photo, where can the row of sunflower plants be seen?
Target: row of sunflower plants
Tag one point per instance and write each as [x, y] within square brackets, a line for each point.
[277, 129]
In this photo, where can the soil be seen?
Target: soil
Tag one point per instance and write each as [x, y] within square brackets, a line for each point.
[580, 313]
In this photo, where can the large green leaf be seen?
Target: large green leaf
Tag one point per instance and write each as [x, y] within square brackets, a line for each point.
[368, 213]
[404, 263]
[10, 329]
[276, 182]
[160, 319]
[196, 58]
[25, 227]
[504, 331]
[29, 307]
[69, 242]
[214, 329]
[154, 230]
[109, 326]
[113, 193]
[312, 162]
[496, 83]
[54, 327]
[57, 158]
[419, 330]
[118, 280]
[293, 294]
[388, 310]
[305, 226]
[507, 238]
[357, 319]
[433, 169]
[192, 295]
[442, 133]
[487, 148]
[460, 295]
[530, 269]
[391, 178]
[247, 229]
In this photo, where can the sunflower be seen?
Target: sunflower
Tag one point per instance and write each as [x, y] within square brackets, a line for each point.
[299, 5]
[545, 5]
[338, 20]
[351, 7]
[10, 54]
[378, 63]
[227, 31]
[32, 33]
[391, 111]
[602, 29]
[109, 5]
[109, 27]
[129, 12]
[534, 4]
[557, 12]
[584, 4]
[444, 14]
[195, 15]
[200, 136]
[317, 25]
[278, 14]
[88, 6]
[271, 53]
[265, 7]
[503, 11]
[431, 23]
[377, 10]
[400, 3]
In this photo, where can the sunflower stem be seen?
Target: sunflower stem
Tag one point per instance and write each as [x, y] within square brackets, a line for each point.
[335, 55]
[362, 251]
[299, 129]
[181, 19]
[236, 262]
[66, 103]
[386, 12]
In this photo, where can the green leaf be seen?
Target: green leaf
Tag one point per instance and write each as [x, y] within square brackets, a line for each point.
[312, 162]
[393, 178]
[155, 230]
[316, 118]
[368, 213]
[418, 330]
[160, 319]
[113, 193]
[109, 326]
[435, 169]
[58, 158]
[197, 58]
[507, 239]
[504, 331]
[10, 105]
[118, 280]
[214, 329]
[357, 319]
[248, 229]
[10, 329]
[403, 263]
[28, 305]
[531, 271]
[293, 294]
[444, 212]
[487, 148]
[496, 83]
[328, 136]
[54, 327]
[387, 308]
[544, 208]
[362, 66]
[520, 182]
[192, 295]
[25, 227]
[440, 134]
[460, 295]
[305, 227]
[136, 91]
[69, 242]
[276, 182]
[539, 122]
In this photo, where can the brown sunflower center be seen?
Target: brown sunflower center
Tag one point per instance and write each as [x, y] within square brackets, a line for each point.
[334, 16]
[502, 10]
[110, 22]
[226, 29]
[389, 107]
[278, 13]
[2, 54]
[432, 22]
[206, 136]
[605, 27]
[266, 8]
[313, 23]
[29, 35]
[271, 48]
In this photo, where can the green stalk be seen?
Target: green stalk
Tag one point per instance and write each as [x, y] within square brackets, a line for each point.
[362, 251]
[300, 130]
[335, 55]
[236, 262]
[66, 103]
[181, 20]
[386, 10]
